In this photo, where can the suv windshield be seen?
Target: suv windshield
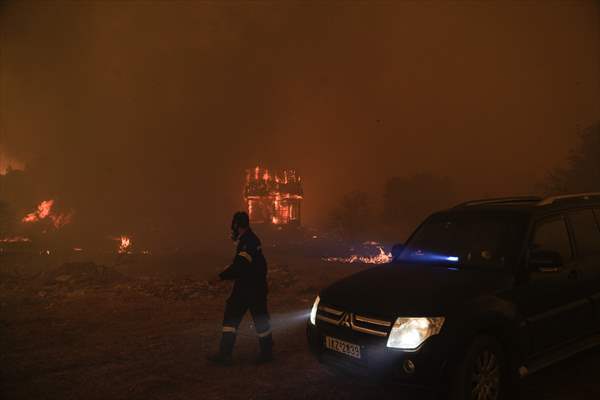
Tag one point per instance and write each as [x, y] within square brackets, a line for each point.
[467, 240]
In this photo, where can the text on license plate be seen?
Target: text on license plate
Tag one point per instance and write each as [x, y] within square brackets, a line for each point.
[350, 349]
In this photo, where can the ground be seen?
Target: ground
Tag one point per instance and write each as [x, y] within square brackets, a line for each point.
[142, 329]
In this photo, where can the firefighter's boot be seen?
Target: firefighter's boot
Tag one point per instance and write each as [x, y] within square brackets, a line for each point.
[266, 349]
[223, 357]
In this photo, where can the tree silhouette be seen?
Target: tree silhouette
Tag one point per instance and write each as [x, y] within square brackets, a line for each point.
[352, 216]
[582, 172]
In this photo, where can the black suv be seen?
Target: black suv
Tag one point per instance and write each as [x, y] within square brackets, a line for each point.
[480, 295]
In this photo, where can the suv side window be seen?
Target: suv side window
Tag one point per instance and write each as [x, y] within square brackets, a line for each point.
[587, 234]
[551, 235]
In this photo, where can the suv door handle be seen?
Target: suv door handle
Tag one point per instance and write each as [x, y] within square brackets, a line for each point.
[572, 274]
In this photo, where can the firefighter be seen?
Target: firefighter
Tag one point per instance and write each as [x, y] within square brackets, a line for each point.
[249, 273]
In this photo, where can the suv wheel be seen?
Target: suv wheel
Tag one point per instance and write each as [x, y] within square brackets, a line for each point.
[482, 373]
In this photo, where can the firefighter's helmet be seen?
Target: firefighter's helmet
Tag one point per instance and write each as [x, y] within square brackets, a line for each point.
[240, 220]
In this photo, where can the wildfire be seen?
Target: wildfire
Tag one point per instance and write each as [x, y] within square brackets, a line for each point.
[43, 211]
[381, 258]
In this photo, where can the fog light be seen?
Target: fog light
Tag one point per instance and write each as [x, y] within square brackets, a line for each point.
[408, 366]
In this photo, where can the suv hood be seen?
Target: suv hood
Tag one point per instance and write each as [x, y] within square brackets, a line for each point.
[413, 290]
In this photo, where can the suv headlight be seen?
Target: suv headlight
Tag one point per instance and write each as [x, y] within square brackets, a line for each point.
[313, 311]
[410, 333]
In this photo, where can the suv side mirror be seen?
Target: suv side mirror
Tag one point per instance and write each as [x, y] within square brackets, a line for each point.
[397, 250]
[545, 261]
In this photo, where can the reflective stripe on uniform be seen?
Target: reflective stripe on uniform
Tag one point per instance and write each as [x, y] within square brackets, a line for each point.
[245, 255]
[264, 334]
[230, 329]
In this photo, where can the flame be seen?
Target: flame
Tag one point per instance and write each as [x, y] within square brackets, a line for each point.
[381, 258]
[125, 244]
[43, 211]
[273, 196]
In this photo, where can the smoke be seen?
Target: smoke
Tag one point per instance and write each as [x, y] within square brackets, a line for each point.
[8, 163]
[143, 116]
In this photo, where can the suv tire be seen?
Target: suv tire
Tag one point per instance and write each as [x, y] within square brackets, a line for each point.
[482, 373]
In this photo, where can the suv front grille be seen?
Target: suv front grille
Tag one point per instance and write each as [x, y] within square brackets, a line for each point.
[358, 323]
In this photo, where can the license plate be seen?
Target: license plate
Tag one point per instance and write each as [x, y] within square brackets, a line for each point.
[349, 349]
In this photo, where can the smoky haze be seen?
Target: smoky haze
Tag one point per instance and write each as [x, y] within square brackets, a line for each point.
[143, 116]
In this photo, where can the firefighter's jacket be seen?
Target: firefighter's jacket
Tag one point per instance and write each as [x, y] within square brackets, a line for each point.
[249, 268]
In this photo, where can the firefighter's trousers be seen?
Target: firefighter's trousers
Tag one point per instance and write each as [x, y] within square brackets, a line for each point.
[235, 309]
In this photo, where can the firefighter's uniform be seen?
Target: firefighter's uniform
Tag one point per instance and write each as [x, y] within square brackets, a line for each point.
[249, 273]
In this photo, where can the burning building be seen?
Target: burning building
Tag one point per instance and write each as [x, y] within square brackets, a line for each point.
[273, 197]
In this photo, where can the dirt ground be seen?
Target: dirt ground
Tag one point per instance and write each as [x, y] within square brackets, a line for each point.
[142, 331]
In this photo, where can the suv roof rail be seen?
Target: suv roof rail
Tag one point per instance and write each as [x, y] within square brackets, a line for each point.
[501, 200]
[574, 196]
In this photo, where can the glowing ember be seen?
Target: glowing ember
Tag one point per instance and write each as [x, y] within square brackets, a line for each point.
[381, 258]
[60, 220]
[77, 249]
[15, 239]
[44, 210]
[371, 243]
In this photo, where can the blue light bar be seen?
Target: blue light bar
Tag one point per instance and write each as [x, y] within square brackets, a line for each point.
[420, 255]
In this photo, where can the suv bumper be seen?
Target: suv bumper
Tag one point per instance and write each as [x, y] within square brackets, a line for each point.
[424, 367]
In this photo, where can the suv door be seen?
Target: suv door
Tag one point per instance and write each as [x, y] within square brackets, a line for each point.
[587, 242]
[553, 307]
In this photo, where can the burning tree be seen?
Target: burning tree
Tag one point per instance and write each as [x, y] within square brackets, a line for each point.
[273, 197]
[352, 216]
